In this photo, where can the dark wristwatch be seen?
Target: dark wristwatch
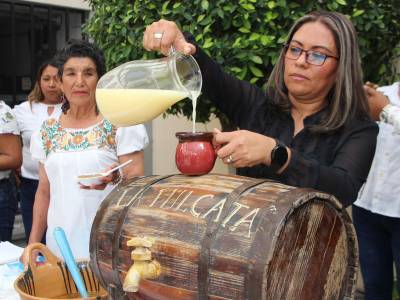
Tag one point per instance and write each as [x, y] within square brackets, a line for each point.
[279, 156]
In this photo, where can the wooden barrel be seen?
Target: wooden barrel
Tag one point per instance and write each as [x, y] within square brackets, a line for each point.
[227, 237]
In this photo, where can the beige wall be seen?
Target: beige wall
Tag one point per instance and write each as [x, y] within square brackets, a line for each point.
[164, 143]
[78, 4]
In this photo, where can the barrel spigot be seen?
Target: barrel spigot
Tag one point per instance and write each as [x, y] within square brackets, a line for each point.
[143, 265]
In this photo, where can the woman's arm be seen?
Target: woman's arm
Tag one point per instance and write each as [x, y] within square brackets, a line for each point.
[10, 151]
[245, 104]
[349, 168]
[242, 102]
[391, 114]
[41, 207]
[376, 101]
[134, 169]
[381, 109]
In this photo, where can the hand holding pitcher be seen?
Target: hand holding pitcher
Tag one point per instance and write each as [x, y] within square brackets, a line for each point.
[140, 90]
[162, 35]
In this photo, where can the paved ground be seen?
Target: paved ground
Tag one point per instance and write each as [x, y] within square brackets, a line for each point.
[18, 237]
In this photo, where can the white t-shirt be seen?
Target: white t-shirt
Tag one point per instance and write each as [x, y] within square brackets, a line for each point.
[380, 193]
[8, 124]
[67, 153]
[30, 116]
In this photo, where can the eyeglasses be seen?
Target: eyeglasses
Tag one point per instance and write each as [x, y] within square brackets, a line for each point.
[312, 57]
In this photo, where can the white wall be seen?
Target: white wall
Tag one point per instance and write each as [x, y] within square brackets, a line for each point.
[164, 143]
[78, 4]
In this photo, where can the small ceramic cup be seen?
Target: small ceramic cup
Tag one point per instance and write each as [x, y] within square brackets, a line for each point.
[195, 154]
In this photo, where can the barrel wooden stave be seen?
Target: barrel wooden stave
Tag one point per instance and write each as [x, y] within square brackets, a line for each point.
[156, 209]
[303, 246]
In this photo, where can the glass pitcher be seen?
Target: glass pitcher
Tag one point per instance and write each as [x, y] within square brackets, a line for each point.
[141, 90]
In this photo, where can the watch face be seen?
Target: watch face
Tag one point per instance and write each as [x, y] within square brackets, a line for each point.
[281, 155]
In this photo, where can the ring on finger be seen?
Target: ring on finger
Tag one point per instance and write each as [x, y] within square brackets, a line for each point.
[230, 159]
[158, 35]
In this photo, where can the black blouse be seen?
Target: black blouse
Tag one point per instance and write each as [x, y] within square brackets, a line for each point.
[337, 163]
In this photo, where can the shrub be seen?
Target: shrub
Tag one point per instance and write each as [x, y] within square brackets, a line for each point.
[245, 36]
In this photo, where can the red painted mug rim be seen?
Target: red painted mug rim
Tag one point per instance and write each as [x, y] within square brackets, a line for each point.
[194, 136]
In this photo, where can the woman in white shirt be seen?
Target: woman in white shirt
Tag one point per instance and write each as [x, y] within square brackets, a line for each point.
[376, 213]
[44, 102]
[80, 141]
[10, 158]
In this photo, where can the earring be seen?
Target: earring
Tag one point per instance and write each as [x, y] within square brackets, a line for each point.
[65, 104]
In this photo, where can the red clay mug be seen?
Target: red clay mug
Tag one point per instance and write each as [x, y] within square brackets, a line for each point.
[195, 154]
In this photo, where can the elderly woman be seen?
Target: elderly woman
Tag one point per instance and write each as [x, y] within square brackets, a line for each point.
[311, 127]
[44, 102]
[80, 141]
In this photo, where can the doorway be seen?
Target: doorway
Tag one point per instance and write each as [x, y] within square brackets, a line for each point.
[29, 34]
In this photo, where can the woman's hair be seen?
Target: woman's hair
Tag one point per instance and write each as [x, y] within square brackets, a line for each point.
[80, 48]
[346, 99]
[36, 95]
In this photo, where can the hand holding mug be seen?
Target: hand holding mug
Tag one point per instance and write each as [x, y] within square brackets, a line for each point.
[243, 148]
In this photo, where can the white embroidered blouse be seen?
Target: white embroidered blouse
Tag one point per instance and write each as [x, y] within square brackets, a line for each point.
[67, 153]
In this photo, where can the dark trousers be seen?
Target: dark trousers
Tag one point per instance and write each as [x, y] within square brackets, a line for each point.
[379, 243]
[8, 208]
[27, 191]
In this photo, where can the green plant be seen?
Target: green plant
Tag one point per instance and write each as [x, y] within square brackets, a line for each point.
[245, 36]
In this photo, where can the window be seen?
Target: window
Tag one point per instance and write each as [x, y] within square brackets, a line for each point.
[29, 34]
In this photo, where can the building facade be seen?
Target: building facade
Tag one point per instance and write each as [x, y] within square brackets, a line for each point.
[31, 32]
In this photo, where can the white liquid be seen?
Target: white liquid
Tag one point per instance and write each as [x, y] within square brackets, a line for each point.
[194, 96]
[126, 107]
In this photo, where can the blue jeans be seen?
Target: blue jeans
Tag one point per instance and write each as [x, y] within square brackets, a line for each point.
[27, 191]
[8, 208]
[379, 243]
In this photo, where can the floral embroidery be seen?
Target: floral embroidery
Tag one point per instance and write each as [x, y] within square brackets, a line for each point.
[78, 139]
[8, 123]
[7, 117]
[51, 122]
[55, 138]
[111, 140]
